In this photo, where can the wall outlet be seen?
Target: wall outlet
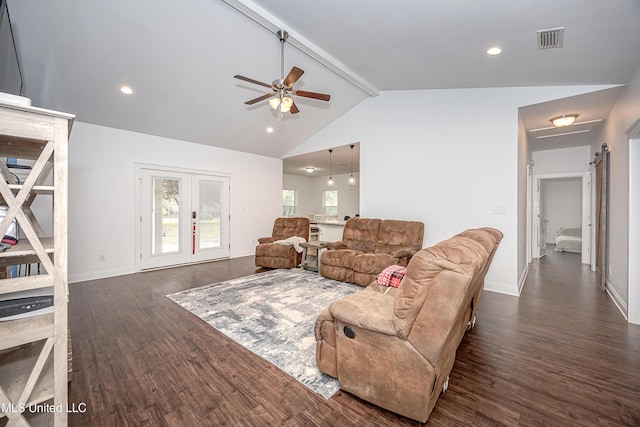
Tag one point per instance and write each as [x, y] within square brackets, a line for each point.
[499, 210]
[102, 258]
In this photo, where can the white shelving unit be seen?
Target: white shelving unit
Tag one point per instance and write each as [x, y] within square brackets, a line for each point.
[33, 350]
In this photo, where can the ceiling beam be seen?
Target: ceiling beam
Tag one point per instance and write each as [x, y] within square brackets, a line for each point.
[273, 24]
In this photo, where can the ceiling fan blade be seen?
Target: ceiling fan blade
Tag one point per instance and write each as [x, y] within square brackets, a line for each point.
[258, 99]
[293, 76]
[314, 95]
[294, 109]
[247, 79]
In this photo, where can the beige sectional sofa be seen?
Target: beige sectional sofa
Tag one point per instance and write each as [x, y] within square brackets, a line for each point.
[369, 245]
[395, 347]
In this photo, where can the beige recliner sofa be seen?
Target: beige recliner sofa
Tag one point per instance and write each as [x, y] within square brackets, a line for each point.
[395, 347]
[273, 255]
[368, 246]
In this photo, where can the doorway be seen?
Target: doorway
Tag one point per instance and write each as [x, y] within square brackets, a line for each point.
[183, 217]
[633, 307]
[543, 229]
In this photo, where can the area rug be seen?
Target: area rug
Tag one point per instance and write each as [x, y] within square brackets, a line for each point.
[272, 314]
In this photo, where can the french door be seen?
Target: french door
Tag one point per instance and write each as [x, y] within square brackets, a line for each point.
[184, 217]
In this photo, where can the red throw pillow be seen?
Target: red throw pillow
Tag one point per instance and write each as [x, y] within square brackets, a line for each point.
[391, 276]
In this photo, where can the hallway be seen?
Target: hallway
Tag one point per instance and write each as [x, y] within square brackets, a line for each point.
[561, 353]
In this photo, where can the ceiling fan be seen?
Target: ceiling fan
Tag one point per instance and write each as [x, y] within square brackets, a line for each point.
[281, 89]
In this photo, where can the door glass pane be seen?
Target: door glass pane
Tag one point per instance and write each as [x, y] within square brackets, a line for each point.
[210, 211]
[165, 216]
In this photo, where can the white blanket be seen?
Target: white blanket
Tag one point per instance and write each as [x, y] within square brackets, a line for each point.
[293, 241]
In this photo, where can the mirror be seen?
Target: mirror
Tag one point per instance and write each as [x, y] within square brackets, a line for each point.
[305, 189]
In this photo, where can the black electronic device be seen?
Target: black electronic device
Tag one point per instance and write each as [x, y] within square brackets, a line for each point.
[17, 305]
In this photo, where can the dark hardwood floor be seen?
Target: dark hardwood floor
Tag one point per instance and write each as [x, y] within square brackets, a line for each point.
[560, 354]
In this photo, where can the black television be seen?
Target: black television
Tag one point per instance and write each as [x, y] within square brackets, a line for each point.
[10, 73]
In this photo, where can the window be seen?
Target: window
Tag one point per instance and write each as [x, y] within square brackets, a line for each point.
[330, 202]
[288, 202]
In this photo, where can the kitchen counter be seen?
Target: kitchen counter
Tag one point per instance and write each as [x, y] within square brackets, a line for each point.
[330, 231]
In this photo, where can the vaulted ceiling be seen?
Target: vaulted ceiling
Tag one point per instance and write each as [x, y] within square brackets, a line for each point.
[180, 57]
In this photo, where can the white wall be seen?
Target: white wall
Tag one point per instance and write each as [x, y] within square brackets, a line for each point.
[622, 117]
[305, 192]
[310, 190]
[102, 194]
[563, 204]
[634, 228]
[523, 220]
[562, 160]
[443, 157]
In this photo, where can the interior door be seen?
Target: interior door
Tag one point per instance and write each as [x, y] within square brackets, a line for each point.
[542, 222]
[184, 218]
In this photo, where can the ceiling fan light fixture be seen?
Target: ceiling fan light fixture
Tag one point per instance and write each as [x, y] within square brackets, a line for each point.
[309, 169]
[280, 98]
[564, 120]
[274, 102]
[285, 104]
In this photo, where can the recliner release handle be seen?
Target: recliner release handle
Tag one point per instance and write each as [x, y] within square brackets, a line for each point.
[349, 332]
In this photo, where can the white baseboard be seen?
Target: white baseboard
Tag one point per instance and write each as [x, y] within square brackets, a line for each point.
[501, 288]
[94, 275]
[103, 274]
[523, 278]
[617, 300]
[240, 254]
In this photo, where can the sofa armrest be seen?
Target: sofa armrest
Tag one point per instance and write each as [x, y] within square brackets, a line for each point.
[336, 245]
[403, 256]
[324, 316]
[366, 309]
[266, 240]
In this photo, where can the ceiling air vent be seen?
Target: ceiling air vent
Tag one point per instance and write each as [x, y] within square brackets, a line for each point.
[550, 39]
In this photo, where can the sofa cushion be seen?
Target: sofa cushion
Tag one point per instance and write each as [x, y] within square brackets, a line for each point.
[361, 233]
[371, 263]
[422, 275]
[395, 235]
[287, 227]
[341, 258]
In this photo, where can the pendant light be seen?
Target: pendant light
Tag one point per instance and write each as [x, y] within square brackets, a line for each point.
[330, 183]
[352, 179]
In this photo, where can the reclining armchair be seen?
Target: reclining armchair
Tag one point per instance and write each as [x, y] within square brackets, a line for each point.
[270, 254]
[395, 347]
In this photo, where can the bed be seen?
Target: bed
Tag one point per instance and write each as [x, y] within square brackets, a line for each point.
[569, 240]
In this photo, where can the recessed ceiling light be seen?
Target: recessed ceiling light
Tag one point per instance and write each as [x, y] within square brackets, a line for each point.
[269, 129]
[126, 90]
[494, 51]
[309, 169]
